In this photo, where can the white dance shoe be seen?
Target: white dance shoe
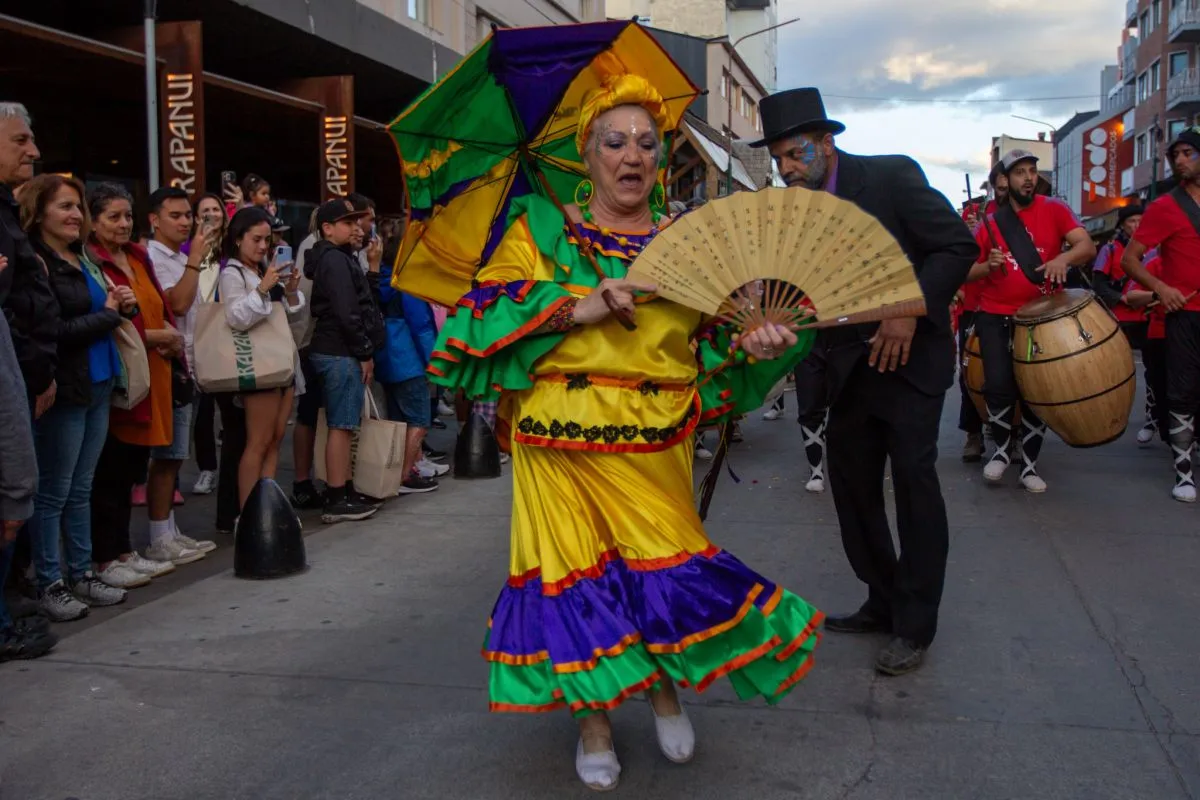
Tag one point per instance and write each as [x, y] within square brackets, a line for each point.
[598, 771]
[676, 738]
[816, 484]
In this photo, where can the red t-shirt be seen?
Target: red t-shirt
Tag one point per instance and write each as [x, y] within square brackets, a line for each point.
[1172, 233]
[1156, 315]
[1048, 221]
[1109, 263]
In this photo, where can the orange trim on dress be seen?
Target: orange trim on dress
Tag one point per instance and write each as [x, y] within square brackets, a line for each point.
[738, 663]
[796, 676]
[516, 661]
[805, 635]
[687, 641]
[769, 606]
[520, 709]
[596, 570]
[620, 383]
[601, 447]
[625, 694]
[612, 652]
[527, 328]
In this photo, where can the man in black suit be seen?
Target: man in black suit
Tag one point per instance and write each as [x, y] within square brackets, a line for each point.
[888, 381]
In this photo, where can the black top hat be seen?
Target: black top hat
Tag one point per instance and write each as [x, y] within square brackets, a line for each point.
[794, 112]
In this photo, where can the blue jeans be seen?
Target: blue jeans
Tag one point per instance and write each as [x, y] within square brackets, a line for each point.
[342, 389]
[68, 440]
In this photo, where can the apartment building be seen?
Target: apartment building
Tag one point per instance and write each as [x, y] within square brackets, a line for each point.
[1160, 76]
[710, 19]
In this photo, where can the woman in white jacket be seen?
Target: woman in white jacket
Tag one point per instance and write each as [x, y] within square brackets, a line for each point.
[248, 288]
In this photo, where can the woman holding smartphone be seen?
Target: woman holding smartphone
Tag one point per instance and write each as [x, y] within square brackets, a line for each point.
[208, 212]
[248, 289]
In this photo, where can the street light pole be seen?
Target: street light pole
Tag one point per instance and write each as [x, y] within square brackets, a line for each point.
[1053, 143]
[729, 94]
[148, 16]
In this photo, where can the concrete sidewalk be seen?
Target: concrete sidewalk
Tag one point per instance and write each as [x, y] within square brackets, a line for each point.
[1066, 665]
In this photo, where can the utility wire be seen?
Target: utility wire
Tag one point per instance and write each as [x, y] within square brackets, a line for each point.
[1094, 96]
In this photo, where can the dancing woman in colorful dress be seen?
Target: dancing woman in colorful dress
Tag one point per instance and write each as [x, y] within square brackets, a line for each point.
[614, 589]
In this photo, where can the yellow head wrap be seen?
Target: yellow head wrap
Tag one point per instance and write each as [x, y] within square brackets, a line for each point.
[618, 88]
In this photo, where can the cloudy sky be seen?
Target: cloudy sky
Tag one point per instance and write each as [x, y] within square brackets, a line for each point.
[931, 55]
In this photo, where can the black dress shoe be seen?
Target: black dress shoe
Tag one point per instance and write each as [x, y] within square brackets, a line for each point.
[900, 657]
[858, 622]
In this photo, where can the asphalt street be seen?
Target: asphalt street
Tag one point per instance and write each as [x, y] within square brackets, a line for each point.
[1067, 663]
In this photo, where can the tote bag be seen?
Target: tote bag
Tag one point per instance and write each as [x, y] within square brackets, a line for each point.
[376, 452]
[135, 366]
[263, 357]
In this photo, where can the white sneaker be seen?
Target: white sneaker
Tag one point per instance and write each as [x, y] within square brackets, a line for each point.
[1145, 435]
[120, 575]
[171, 549]
[60, 605]
[204, 546]
[144, 566]
[1033, 483]
[505, 458]
[1184, 493]
[994, 470]
[205, 483]
[430, 469]
[816, 484]
[444, 410]
[96, 592]
[771, 414]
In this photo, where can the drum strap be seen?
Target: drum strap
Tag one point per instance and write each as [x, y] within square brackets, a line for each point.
[1020, 243]
[1188, 205]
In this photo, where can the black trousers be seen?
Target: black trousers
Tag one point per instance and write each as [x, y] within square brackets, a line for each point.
[1154, 360]
[233, 445]
[969, 420]
[1183, 362]
[204, 432]
[876, 418]
[121, 466]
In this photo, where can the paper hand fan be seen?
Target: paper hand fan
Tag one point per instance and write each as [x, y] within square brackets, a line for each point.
[787, 256]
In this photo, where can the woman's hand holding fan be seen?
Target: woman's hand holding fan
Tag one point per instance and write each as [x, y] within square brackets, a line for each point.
[767, 342]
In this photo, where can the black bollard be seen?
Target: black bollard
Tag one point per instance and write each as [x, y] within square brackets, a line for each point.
[477, 453]
[268, 542]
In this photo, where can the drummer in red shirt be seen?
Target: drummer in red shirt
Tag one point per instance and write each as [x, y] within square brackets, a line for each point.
[1172, 224]
[1154, 352]
[1039, 229]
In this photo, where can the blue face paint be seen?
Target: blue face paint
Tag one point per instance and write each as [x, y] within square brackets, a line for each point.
[808, 153]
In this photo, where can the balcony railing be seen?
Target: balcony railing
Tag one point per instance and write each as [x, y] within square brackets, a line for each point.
[1131, 12]
[1184, 88]
[1120, 99]
[1129, 61]
[1184, 19]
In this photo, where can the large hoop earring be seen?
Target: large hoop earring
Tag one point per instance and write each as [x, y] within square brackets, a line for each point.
[658, 197]
[585, 188]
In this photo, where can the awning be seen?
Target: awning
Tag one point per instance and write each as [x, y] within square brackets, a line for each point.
[719, 157]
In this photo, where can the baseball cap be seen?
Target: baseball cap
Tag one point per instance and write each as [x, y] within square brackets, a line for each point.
[1014, 157]
[336, 210]
[279, 226]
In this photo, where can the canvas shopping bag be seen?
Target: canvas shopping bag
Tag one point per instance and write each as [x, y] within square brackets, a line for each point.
[263, 357]
[135, 367]
[376, 452]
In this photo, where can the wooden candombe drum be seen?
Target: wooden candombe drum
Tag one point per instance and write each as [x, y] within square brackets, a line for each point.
[1074, 367]
[972, 364]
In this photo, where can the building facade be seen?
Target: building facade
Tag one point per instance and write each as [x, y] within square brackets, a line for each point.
[299, 93]
[1071, 160]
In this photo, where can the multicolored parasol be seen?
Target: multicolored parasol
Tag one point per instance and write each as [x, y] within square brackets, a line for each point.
[500, 125]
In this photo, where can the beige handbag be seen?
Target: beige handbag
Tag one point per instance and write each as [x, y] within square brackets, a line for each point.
[135, 366]
[263, 357]
[376, 452]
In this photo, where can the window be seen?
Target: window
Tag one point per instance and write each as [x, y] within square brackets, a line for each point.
[724, 84]
[418, 10]
[1139, 149]
[1143, 25]
[1157, 13]
[1174, 128]
[1155, 83]
[1142, 88]
[1177, 63]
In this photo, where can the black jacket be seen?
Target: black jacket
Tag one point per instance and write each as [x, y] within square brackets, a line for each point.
[346, 317]
[78, 327]
[893, 189]
[28, 302]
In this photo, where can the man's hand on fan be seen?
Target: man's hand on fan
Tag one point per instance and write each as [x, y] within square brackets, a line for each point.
[890, 344]
[594, 308]
[767, 342]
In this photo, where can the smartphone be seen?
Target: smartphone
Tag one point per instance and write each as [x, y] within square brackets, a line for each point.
[228, 178]
[283, 255]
